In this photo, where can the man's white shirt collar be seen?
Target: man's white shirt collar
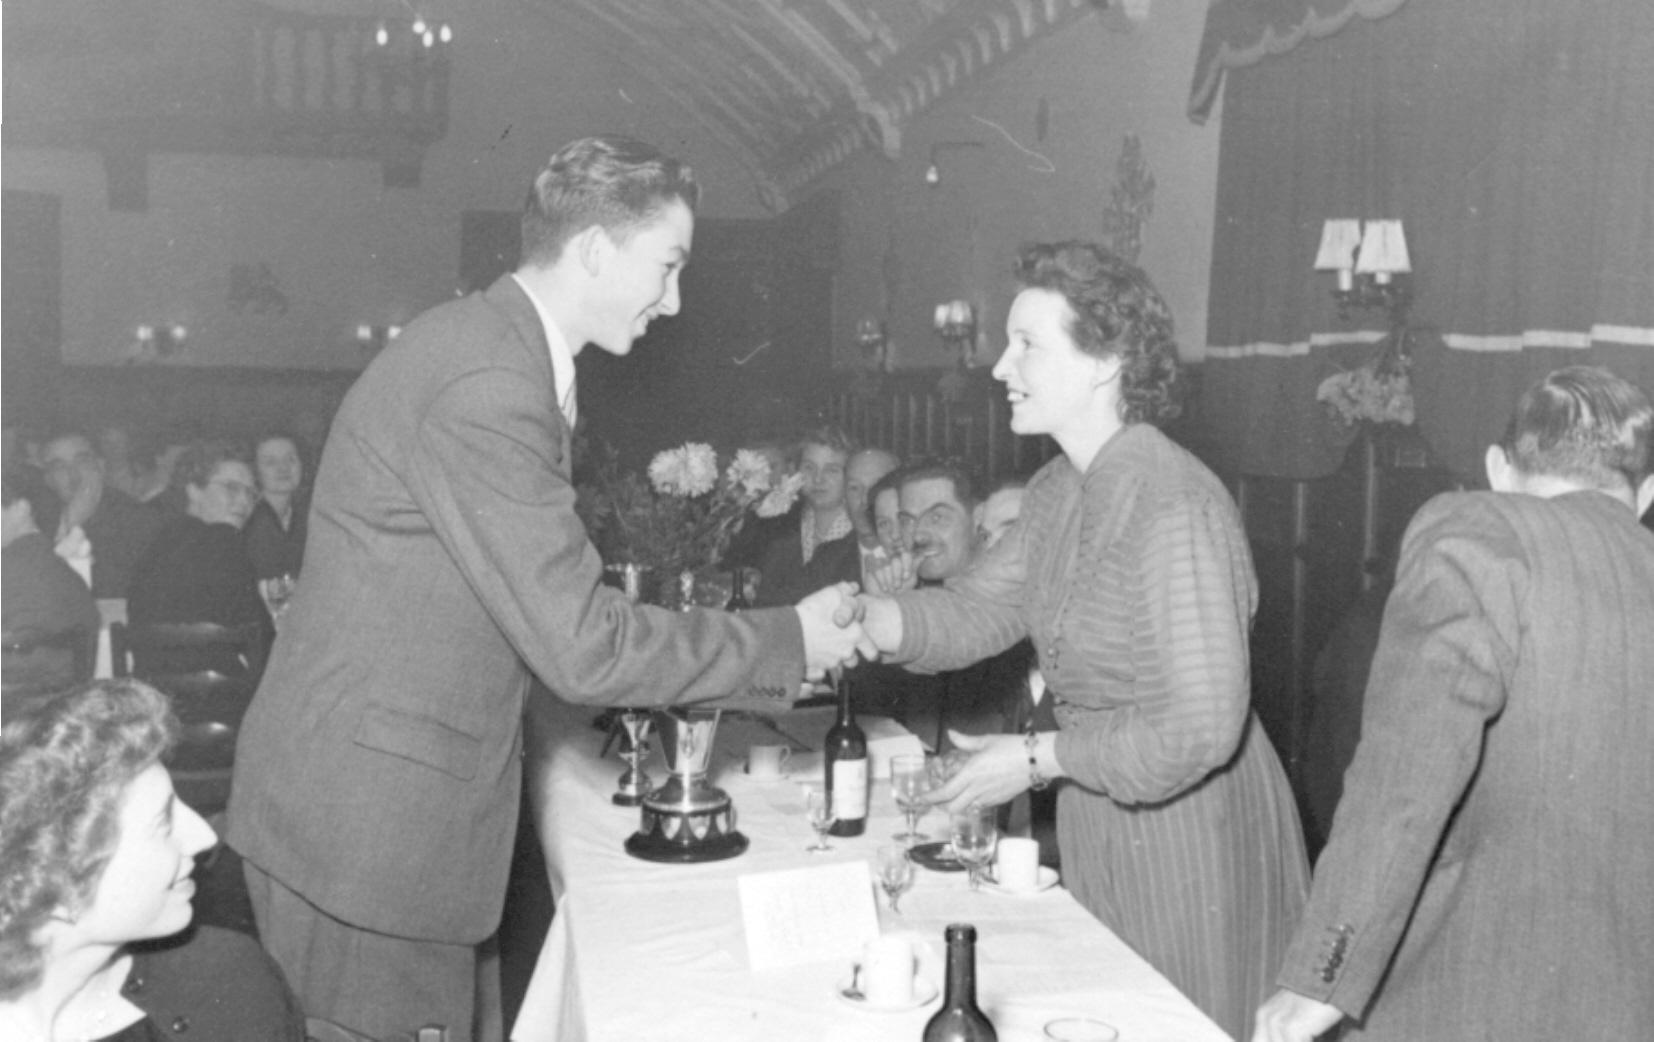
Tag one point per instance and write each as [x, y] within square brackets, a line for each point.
[562, 358]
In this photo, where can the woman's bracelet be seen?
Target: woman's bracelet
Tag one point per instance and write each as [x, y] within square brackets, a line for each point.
[1036, 780]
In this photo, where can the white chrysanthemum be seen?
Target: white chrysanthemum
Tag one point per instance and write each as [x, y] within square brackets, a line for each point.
[749, 471]
[779, 499]
[667, 471]
[700, 473]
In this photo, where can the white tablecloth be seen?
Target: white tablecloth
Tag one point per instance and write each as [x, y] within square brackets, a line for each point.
[642, 950]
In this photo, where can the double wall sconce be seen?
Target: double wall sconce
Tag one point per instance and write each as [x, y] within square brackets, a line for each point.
[874, 344]
[1372, 264]
[372, 339]
[955, 323]
[933, 172]
[161, 341]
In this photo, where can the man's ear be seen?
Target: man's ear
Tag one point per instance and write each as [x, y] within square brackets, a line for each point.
[592, 247]
[1502, 475]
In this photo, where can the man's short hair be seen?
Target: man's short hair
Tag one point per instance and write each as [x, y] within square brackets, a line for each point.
[1585, 424]
[966, 487]
[616, 183]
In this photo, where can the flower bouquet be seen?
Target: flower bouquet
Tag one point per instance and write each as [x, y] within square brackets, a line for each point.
[1377, 391]
[682, 516]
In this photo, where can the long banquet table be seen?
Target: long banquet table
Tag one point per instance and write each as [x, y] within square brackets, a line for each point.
[643, 950]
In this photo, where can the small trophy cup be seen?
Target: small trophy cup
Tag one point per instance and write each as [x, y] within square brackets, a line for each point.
[634, 783]
[688, 819]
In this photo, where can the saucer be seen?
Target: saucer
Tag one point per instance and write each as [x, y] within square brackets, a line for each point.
[1047, 879]
[937, 856]
[924, 993]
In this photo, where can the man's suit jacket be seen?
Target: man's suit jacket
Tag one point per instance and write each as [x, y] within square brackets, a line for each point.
[377, 772]
[121, 531]
[1490, 873]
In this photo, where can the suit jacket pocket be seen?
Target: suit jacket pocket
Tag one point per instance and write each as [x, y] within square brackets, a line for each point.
[420, 739]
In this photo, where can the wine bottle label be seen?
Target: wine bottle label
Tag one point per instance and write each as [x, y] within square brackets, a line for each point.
[850, 789]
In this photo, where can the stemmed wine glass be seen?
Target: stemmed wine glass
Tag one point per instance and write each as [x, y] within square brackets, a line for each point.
[909, 780]
[819, 803]
[975, 833]
[895, 873]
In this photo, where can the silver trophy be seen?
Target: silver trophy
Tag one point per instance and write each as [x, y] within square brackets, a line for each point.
[634, 782]
[688, 819]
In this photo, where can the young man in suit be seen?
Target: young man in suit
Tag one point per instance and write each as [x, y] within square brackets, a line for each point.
[1489, 869]
[378, 770]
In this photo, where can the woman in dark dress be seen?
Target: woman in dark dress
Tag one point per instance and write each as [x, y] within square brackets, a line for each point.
[198, 569]
[96, 857]
[275, 531]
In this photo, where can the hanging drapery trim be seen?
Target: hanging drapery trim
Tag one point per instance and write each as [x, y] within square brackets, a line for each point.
[1243, 32]
[1512, 137]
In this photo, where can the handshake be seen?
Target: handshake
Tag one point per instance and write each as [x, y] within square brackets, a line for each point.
[833, 621]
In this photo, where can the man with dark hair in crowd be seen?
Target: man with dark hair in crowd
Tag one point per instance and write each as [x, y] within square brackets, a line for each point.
[101, 531]
[42, 598]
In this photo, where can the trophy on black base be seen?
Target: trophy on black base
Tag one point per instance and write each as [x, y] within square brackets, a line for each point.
[688, 819]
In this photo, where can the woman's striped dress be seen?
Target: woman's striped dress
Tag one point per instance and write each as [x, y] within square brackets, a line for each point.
[1177, 827]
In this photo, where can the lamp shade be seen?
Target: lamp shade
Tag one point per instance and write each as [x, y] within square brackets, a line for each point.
[1339, 238]
[1383, 249]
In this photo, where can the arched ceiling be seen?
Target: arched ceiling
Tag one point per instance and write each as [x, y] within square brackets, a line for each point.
[797, 86]
[791, 87]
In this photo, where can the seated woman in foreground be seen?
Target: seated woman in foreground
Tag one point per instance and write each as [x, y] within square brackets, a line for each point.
[96, 855]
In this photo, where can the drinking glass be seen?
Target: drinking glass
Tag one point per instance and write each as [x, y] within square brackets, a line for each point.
[975, 833]
[277, 592]
[819, 803]
[895, 873]
[909, 780]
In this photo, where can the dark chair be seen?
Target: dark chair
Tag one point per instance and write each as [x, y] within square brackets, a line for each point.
[37, 665]
[209, 703]
[316, 1029]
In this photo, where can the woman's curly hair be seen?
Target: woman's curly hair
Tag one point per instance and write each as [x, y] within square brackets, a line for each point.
[64, 764]
[1115, 311]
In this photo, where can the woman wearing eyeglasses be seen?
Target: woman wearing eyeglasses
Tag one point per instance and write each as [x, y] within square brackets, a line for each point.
[198, 569]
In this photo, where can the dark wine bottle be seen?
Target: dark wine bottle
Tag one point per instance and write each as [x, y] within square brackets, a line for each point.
[738, 592]
[847, 768]
[960, 1019]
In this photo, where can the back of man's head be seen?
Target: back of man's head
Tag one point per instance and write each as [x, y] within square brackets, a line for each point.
[1585, 426]
[616, 183]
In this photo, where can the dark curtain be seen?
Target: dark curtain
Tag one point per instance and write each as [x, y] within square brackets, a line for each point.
[1515, 139]
[1239, 33]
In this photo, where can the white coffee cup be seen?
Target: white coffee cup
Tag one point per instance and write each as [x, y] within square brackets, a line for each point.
[888, 966]
[1016, 863]
[764, 762]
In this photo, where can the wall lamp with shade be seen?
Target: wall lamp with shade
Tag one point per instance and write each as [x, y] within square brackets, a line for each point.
[874, 343]
[1372, 265]
[933, 172]
[955, 322]
[159, 341]
[372, 339]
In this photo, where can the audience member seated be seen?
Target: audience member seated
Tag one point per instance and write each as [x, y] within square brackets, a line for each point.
[42, 598]
[884, 506]
[1000, 511]
[275, 531]
[864, 471]
[96, 856]
[101, 531]
[819, 547]
[198, 569]
[940, 510]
